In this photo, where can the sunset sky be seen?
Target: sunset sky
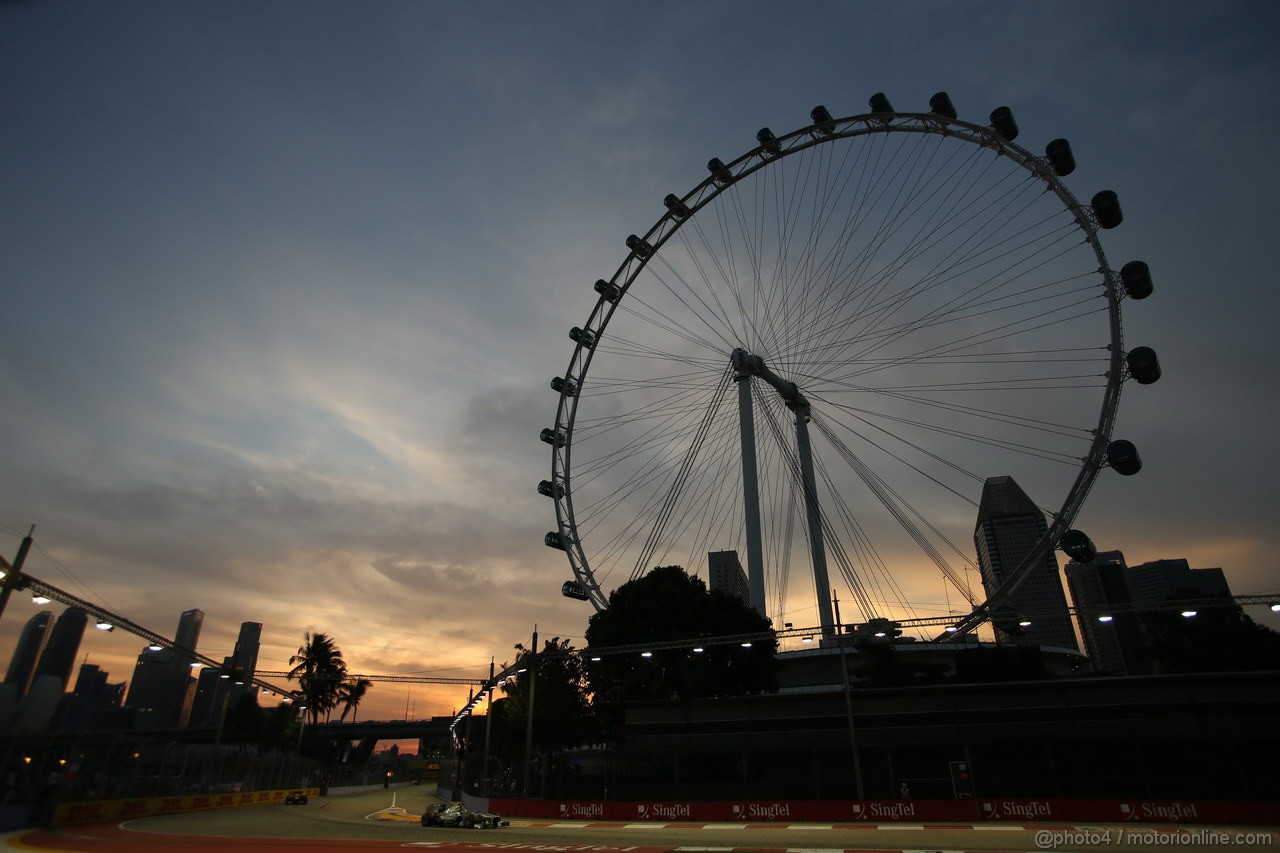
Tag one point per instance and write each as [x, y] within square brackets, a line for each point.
[285, 281]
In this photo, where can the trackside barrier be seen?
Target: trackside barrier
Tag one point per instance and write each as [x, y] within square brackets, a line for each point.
[905, 811]
[102, 811]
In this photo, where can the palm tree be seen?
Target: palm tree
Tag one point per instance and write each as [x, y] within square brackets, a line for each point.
[319, 668]
[350, 695]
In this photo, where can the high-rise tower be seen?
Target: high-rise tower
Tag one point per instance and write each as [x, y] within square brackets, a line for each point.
[1009, 526]
[727, 575]
[59, 656]
[26, 654]
[161, 677]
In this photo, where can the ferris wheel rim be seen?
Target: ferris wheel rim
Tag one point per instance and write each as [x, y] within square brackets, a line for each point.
[648, 246]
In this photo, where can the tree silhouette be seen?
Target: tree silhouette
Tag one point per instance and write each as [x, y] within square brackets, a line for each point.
[669, 604]
[319, 668]
[350, 694]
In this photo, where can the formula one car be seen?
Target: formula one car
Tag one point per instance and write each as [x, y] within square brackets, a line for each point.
[458, 815]
[295, 798]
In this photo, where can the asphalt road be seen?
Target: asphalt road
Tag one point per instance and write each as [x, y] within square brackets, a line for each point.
[349, 823]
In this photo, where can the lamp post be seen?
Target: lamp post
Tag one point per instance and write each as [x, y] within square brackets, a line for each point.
[528, 729]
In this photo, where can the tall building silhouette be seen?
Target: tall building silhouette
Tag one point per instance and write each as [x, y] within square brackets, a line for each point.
[59, 655]
[22, 666]
[727, 575]
[161, 678]
[1105, 586]
[1008, 528]
[1099, 587]
[219, 690]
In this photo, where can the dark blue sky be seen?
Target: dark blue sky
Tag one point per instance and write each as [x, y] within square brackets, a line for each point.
[285, 282]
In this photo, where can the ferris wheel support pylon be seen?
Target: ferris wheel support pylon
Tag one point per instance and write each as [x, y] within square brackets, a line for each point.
[747, 366]
[751, 494]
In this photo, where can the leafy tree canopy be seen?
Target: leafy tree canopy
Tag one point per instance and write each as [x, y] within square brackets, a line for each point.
[319, 668]
[561, 707]
[669, 604]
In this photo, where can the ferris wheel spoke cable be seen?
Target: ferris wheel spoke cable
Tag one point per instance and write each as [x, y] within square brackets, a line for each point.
[877, 307]
[1015, 328]
[898, 507]
[677, 484]
[878, 572]
[954, 316]
[1011, 446]
[986, 413]
[968, 561]
[883, 233]
[855, 274]
[971, 297]
[877, 313]
[899, 218]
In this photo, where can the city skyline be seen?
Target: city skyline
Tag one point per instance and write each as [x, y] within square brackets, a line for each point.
[287, 287]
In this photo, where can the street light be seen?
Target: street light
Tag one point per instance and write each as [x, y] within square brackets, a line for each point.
[1105, 618]
[104, 625]
[1187, 614]
[39, 599]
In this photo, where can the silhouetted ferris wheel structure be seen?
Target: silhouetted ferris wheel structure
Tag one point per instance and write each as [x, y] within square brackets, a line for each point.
[819, 353]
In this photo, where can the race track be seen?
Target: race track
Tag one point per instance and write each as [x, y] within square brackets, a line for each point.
[386, 820]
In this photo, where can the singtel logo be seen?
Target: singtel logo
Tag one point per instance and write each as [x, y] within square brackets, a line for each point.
[763, 811]
[1005, 808]
[665, 811]
[1169, 811]
[887, 811]
[582, 810]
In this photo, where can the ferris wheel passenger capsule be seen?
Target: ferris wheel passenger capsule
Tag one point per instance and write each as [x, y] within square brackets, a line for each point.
[1136, 277]
[583, 336]
[822, 120]
[678, 209]
[1144, 366]
[1002, 121]
[639, 246]
[768, 141]
[553, 539]
[1106, 206]
[564, 386]
[941, 104]
[553, 437]
[574, 590]
[550, 489]
[1077, 545]
[1123, 457]
[880, 104]
[719, 171]
[1060, 157]
[608, 289]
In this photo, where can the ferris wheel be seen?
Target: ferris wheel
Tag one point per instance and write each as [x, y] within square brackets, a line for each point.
[818, 355]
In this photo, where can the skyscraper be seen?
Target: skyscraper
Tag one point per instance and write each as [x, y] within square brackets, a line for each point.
[59, 656]
[26, 654]
[1162, 579]
[1104, 586]
[727, 575]
[218, 690]
[161, 677]
[1114, 647]
[1008, 528]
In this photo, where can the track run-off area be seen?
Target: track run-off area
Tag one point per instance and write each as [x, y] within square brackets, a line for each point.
[386, 820]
